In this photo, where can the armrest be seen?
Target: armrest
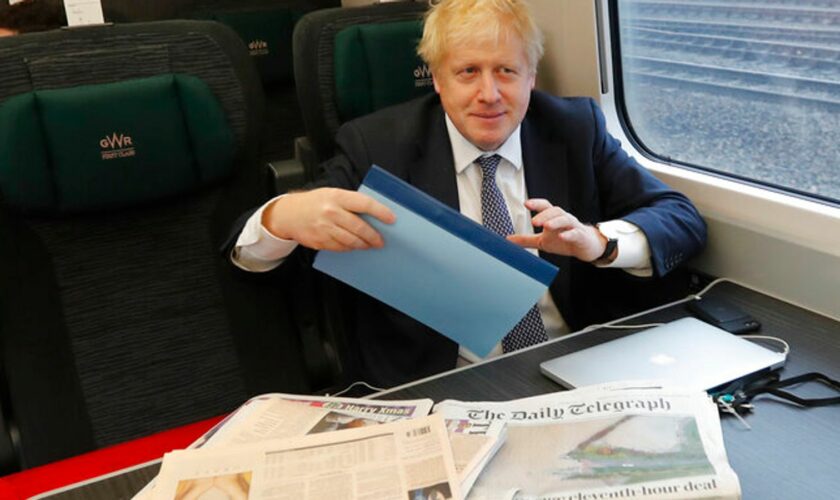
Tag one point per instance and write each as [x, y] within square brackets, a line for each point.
[284, 175]
[305, 153]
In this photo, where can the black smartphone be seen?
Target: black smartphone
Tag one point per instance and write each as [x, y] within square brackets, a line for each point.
[723, 315]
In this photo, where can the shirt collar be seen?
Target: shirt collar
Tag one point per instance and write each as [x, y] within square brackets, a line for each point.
[464, 152]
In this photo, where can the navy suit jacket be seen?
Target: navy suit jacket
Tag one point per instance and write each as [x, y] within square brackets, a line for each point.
[569, 159]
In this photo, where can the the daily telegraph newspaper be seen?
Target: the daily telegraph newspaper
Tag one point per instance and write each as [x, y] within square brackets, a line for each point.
[402, 460]
[277, 415]
[602, 443]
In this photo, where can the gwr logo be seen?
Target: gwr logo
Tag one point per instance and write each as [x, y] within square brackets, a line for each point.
[422, 76]
[117, 146]
[258, 48]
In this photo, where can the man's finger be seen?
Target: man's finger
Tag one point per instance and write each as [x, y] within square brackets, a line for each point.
[543, 217]
[363, 204]
[537, 204]
[527, 241]
[348, 240]
[357, 226]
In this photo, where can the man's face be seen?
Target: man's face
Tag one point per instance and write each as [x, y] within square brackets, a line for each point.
[7, 32]
[485, 88]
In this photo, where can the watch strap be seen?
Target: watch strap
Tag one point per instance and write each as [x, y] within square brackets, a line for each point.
[612, 244]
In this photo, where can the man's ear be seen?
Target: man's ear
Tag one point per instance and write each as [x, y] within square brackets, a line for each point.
[533, 79]
[437, 86]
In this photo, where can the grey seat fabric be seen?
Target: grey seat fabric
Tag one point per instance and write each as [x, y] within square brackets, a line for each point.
[120, 323]
[103, 54]
[264, 25]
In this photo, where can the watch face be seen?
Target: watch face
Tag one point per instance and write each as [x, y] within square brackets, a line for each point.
[612, 243]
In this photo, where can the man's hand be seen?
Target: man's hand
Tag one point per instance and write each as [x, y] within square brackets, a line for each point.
[562, 233]
[327, 219]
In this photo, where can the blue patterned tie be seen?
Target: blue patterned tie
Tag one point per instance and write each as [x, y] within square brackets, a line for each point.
[495, 217]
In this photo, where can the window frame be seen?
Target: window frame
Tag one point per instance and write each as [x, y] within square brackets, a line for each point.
[783, 243]
[631, 137]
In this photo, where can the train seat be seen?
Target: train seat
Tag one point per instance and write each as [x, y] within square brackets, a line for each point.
[350, 62]
[265, 26]
[126, 152]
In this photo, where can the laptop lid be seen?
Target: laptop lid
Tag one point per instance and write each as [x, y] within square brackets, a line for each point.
[687, 352]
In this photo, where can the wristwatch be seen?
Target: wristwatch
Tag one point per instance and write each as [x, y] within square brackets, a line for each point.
[612, 244]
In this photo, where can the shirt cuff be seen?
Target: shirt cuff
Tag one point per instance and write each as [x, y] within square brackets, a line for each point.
[633, 249]
[256, 249]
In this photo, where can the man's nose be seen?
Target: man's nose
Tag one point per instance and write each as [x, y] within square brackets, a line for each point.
[489, 91]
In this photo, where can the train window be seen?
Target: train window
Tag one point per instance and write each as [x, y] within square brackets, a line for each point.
[749, 89]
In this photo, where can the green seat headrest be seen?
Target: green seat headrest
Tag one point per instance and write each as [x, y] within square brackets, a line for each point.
[376, 65]
[267, 34]
[110, 145]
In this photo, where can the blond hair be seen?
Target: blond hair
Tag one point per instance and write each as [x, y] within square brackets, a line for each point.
[450, 23]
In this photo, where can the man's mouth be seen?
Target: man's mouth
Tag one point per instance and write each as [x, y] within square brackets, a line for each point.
[489, 116]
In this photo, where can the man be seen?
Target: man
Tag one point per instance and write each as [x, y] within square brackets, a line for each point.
[490, 146]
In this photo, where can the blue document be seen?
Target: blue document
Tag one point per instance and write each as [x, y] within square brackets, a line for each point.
[441, 268]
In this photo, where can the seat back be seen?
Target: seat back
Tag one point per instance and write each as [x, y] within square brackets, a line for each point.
[159, 10]
[265, 26]
[125, 153]
[350, 62]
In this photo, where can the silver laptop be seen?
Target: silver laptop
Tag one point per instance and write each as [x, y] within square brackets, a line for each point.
[687, 352]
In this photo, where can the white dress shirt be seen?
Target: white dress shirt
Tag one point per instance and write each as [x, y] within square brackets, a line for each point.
[258, 250]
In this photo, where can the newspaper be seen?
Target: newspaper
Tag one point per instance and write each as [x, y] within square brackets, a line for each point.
[611, 441]
[407, 459]
[269, 416]
[473, 446]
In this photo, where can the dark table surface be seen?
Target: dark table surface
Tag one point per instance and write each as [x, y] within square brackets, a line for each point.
[790, 453]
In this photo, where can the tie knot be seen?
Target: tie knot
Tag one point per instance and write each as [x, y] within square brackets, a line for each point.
[488, 165]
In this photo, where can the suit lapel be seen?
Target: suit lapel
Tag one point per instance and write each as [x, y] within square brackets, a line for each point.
[546, 173]
[433, 171]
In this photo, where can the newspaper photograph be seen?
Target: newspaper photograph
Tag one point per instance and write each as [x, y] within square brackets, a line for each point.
[608, 442]
[278, 415]
[406, 459]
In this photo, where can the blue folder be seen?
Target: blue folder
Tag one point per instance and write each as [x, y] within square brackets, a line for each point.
[441, 268]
